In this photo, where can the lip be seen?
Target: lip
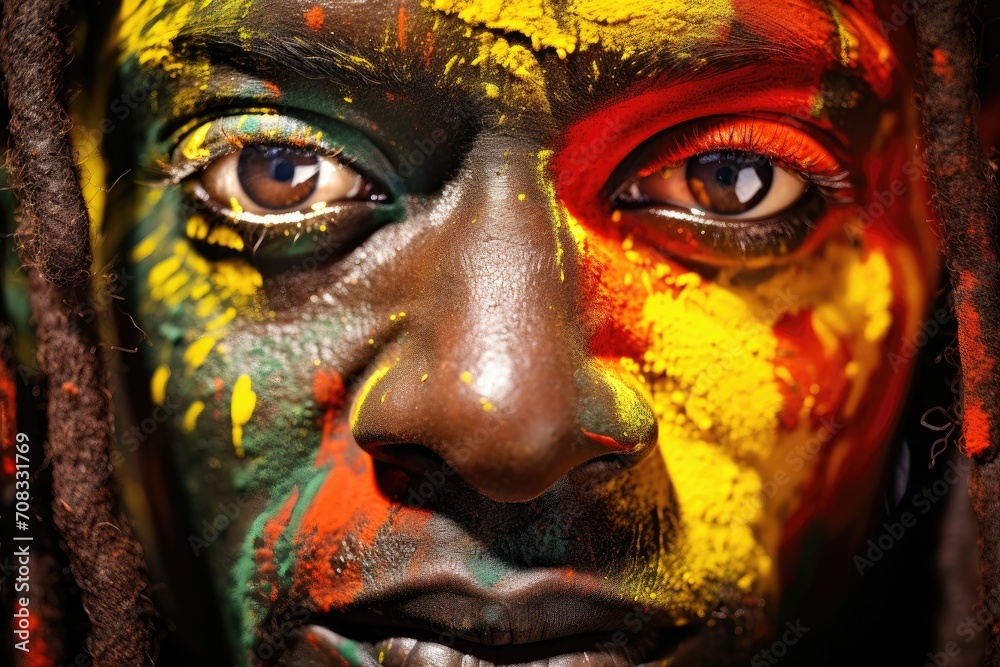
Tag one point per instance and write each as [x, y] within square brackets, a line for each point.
[543, 618]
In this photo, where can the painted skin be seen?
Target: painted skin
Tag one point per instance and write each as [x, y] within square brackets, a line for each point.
[500, 405]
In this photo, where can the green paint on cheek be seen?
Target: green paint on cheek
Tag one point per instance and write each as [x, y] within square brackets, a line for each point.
[284, 554]
[244, 573]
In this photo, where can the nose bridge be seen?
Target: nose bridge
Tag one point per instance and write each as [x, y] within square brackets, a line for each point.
[494, 375]
[507, 285]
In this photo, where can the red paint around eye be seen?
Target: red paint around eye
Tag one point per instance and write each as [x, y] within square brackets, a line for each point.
[784, 145]
[801, 23]
[810, 28]
[314, 18]
[593, 147]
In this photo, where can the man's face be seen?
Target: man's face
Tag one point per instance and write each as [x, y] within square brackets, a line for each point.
[519, 330]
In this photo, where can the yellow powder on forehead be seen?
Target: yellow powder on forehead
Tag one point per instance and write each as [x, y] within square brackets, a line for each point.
[148, 26]
[515, 58]
[570, 26]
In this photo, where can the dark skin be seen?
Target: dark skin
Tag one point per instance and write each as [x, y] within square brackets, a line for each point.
[488, 406]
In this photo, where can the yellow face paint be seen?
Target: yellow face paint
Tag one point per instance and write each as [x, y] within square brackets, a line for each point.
[191, 416]
[712, 375]
[148, 26]
[158, 384]
[577, 24]
[241, 409]
[366, 390]
[197, 351]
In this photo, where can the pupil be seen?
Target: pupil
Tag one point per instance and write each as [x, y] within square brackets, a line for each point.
[283, 170]
[729, 183]
[725, 176]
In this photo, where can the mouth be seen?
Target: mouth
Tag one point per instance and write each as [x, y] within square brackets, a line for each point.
[551, 618]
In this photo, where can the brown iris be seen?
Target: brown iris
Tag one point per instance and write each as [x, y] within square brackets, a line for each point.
[277, 178]
[729, 182]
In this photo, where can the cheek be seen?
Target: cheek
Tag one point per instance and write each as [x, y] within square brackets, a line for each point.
[315, 542]
[191, 301]
[751, 385]
[738, 360]
[188, 308]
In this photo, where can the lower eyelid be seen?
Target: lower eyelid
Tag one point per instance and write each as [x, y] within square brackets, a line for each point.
[730, 242]
[199, 194]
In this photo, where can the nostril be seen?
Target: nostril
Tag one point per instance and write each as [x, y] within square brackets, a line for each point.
[414, 475]
[408, 456]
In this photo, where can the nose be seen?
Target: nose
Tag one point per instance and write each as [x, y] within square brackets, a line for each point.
[494, 376]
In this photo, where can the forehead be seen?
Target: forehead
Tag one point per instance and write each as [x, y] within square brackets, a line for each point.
[523, 56]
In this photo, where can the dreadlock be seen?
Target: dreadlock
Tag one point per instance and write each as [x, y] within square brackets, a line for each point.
[965, 199]
[54, 237]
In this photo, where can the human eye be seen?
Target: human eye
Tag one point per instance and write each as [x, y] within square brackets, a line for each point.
[275, 187]
[730, 192]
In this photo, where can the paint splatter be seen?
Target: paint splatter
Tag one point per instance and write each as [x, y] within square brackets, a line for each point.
[328, 389]
[314, 18]
[158, 384]
[243, 403]
[401, 28]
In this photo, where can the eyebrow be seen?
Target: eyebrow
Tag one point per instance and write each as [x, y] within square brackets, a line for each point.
[338, 61]
[331, 61]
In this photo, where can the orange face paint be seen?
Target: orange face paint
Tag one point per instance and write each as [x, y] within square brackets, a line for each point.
[314, 17]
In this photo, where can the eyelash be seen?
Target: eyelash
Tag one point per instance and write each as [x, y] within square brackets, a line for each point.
[787, 148]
